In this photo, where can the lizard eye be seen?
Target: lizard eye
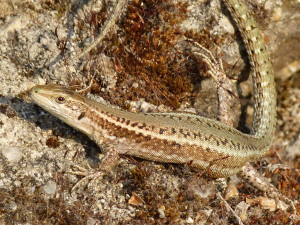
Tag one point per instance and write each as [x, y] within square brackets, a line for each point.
[60, 100]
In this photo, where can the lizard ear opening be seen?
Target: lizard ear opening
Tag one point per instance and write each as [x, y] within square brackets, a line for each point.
[81, 116]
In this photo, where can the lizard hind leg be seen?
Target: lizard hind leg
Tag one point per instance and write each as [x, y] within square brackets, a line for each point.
[227, 97]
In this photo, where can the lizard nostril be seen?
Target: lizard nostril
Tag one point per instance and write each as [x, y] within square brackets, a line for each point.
[35, 89]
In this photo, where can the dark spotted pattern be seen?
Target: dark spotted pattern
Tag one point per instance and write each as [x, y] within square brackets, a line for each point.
[180, 138]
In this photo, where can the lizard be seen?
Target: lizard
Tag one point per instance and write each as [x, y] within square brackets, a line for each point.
[178, 137]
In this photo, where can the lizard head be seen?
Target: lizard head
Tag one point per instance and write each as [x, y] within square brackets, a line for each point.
[63, 103]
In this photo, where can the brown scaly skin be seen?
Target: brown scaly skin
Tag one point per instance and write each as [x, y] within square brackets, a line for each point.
[178, 137]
